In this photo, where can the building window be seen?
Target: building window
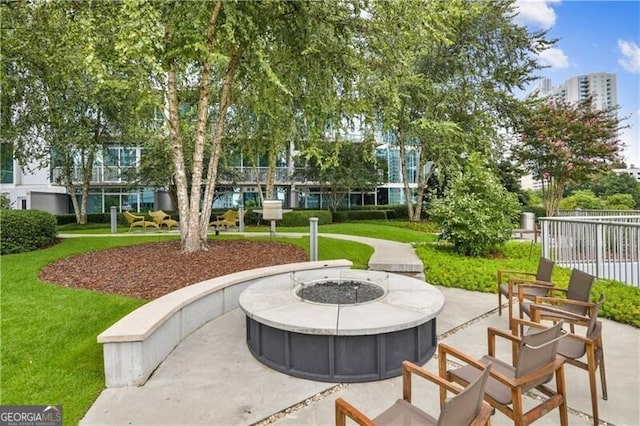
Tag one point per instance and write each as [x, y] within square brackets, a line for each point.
[6, 163]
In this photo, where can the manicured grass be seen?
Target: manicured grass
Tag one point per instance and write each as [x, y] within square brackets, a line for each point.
[49, 354]
[49, 350]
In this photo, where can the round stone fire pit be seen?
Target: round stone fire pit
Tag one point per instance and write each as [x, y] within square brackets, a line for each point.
[341, 325]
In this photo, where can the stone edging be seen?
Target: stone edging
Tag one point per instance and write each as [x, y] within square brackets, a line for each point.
[135, 346]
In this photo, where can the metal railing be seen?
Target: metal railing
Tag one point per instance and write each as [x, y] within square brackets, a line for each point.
[115, 174]
[601, 212]
[606, 246]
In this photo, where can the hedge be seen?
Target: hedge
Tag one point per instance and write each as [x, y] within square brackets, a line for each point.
[301, 217]
[349, 215]
[26, 230]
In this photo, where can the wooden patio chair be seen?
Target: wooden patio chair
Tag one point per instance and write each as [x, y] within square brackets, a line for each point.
[161, 218]
[136, 220]
[575, 301]
[536, 363]
[542, 278]
[576, 346]
[465, 408]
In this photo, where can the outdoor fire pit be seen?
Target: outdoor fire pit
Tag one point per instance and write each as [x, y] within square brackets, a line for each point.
[341, 325]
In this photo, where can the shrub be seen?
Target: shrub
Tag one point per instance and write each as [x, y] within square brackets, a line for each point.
[65, 219]
[301, 217]
[477, 213]
[583, 200]
[352, 215]
[25, 230]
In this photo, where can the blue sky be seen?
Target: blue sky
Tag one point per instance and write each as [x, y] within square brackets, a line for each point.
[594, 36]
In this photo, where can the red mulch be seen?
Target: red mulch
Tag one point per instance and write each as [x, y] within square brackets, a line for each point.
[151, 270]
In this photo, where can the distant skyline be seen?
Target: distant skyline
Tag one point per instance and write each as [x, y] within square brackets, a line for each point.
[594, 36]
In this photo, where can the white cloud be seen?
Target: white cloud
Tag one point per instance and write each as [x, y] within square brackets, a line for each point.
[554, 57]
[630, 59]
[536, 12]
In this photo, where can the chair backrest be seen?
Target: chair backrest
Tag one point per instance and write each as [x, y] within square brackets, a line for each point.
[537, 349]
[593, 321]
[579, 289]
[545, 269]
[462, 408]
[575, 348]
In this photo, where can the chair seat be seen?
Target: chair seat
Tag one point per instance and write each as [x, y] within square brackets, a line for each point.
[494, 389]
[402, 413]
[528, 291]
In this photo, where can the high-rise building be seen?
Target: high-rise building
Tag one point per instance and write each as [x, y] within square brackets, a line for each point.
[600, 86]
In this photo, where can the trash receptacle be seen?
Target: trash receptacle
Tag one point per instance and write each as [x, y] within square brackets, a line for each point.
[527, 221]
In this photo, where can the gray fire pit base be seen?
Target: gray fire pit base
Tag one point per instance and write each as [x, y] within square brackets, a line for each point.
[346, 359]
[352, 342]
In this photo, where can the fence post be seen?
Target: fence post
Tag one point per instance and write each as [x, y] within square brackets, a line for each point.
[599, 249]
[546, 238]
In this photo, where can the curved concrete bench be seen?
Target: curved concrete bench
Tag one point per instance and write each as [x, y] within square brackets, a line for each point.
[136, 345]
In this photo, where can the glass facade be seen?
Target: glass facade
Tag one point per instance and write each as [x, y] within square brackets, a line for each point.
[100, 200]
[6, 163]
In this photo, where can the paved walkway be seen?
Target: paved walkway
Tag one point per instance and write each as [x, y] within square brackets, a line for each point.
[212, 379]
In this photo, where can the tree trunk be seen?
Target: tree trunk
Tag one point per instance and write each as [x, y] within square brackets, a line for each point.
[212, 172]
[403, 169]
[417, 211]
[180, 175]
[271, 174]
[87, 174]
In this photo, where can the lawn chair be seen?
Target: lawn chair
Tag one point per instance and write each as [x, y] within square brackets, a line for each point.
[230, 219]
[536, 363]
[135, 220]
[576, 346]
[542, 278]
[160, 218]
[576, 299]
[465, 408]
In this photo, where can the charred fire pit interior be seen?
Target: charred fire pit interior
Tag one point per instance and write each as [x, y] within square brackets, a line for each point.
[341, 325]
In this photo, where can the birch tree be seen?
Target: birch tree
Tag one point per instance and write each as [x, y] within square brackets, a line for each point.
[62, 92]
[223, 51]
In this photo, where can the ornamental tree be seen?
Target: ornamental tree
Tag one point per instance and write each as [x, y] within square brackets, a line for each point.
[562, 144]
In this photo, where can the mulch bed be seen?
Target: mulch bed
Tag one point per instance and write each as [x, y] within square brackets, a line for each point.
[151, 270]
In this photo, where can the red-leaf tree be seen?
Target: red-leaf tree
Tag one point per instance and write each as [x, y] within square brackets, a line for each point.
[563, 143]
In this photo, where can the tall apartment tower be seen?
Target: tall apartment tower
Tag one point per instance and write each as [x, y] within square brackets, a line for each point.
[601, 86]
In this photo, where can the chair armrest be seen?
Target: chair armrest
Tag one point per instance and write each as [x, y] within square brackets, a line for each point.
[504, 272]
[530, 282]
[444, 350]
[409, 368]
[561, 301]
[344, 409]
[539, 310]
[544, 285]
